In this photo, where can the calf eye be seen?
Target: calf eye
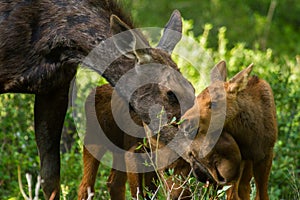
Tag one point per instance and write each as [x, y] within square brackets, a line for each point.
[213, 105]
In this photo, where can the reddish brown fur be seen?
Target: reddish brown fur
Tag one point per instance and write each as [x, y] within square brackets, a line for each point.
[229, 164]
[99, 104]
[250, 120]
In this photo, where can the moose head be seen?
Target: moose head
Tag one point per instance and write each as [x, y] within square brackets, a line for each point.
[155, 81]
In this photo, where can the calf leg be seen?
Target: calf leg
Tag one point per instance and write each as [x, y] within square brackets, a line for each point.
[241, 188]
[134, 179]
[139, 181]
[233, 192]
[90, 168]
[261, 171]
[117, 180]
[49, 114]
[244, 186]
[93, 150]
[134, 163]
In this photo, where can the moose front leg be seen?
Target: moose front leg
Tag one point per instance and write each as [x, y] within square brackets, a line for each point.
[49, 113]
[244, 185]
[261, 171]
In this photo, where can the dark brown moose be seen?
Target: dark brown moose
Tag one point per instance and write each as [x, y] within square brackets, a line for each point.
[41, 45]
[249, 120]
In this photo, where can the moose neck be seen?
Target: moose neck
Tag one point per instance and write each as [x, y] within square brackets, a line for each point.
[89, 42]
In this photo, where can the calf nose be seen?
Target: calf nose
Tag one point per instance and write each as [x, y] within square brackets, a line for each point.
[202, 174]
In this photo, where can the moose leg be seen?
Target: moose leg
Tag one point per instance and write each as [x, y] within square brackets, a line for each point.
[117, 179]
[49, 114]
[233, 192]
[90, 168]
[139, 181]
[244, 186]
[135, 179]
[261, 171]
[241, 188]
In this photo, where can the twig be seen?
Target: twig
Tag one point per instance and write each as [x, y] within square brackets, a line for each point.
[20, 185]
[269, 21]
[29, 181]
[37, 187]
[90, 193]
[186, 180]
[137, 193]
[155, 193]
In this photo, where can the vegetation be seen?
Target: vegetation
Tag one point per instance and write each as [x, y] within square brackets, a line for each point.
[236, 31]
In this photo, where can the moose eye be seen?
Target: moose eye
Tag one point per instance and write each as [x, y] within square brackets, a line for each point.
[213, 105]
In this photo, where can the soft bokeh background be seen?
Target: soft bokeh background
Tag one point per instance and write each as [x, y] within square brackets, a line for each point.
[265, 32]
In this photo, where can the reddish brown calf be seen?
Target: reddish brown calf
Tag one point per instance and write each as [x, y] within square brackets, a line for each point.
[249, 119]
[99, 104]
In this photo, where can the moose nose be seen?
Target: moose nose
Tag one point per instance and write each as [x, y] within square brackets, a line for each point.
[221, 180]
[201, 173]
[199, 170]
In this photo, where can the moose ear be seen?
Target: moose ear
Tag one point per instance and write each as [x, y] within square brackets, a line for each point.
[129, 42]
[240, 80]
[172, 33]
[219, 72]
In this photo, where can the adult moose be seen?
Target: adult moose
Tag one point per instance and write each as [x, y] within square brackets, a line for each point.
[249, 118]
[41, 45]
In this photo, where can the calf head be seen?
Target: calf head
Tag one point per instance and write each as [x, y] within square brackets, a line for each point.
[220, 100]
[221, 165]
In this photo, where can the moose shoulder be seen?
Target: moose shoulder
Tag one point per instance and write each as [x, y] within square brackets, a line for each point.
[249, 117]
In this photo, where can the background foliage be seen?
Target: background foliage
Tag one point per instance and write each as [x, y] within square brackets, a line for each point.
[264, 32]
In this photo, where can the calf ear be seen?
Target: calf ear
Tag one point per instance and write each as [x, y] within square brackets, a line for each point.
[219, 72]
[172, 33]
[129, 42]
[240, 80]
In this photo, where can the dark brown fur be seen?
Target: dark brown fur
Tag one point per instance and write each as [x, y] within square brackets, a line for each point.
[41, 45]
[250, 119]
